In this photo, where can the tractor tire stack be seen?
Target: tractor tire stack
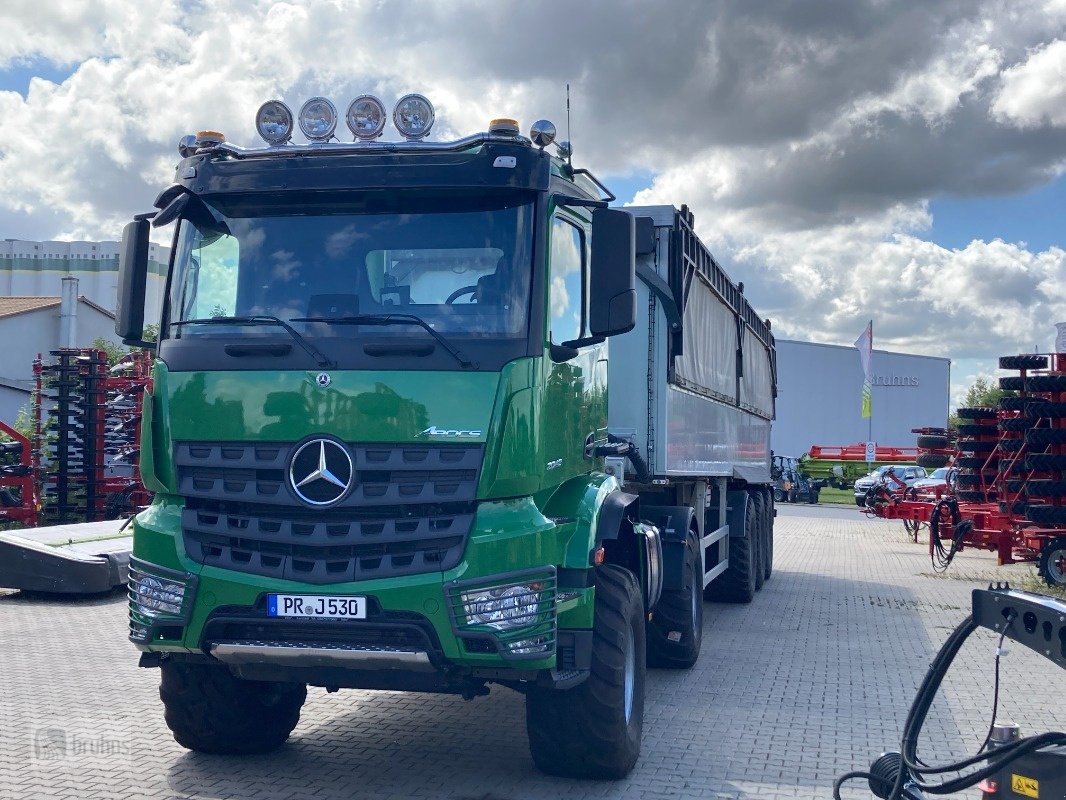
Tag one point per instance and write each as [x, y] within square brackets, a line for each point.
[978, 435]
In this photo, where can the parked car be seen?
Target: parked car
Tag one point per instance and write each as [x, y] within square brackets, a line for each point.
[938, 478]
[905, 473]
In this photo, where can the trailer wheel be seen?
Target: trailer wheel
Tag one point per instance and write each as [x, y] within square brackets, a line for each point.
[675, 632]
[768, 540]
[737, 583]
[1053, 562]
[594, 729]
[209, 710]
[758, 553]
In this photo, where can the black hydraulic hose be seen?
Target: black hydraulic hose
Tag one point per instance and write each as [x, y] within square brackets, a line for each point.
[631, 452]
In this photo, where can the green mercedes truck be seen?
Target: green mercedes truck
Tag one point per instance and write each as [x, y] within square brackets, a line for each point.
[429, 416]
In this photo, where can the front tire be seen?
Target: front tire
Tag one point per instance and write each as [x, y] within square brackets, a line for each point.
[209, 710]
[675, 632]
[594, 729]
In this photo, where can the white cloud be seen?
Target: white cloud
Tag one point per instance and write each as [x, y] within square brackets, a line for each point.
[1033, 93]
[808, 139]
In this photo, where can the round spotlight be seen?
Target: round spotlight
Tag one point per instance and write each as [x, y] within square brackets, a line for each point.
[366, 117]
[413, 116]
[273, 121]
[542, 133]
[318, 119]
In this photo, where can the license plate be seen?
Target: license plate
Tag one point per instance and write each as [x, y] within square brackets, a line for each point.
[315, 606]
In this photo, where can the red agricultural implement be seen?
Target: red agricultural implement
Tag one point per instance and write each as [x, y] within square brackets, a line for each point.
[1009, 495]
[18, 489]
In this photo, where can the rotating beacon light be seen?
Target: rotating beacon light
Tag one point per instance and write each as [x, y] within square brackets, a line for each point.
[318, 119]
[413, 116]
[366, 117]
[273, 121]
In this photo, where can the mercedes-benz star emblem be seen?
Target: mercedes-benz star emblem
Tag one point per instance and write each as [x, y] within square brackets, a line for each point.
[321, 472]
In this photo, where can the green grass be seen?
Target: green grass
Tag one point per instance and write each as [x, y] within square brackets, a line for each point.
[830, 495]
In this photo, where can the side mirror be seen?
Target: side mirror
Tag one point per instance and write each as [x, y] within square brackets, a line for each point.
[612, 273]
[132, 276]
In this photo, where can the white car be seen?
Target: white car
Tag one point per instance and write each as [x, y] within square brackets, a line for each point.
[905, 473]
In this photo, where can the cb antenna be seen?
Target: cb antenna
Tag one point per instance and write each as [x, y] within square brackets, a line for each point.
[569, 141]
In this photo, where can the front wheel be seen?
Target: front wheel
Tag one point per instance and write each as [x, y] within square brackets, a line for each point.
[594, 729]
[211, 711]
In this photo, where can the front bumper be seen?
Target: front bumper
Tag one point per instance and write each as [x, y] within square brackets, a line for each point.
[414, 623]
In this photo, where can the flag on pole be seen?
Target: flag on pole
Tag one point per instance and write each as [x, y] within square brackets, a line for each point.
[865, 345]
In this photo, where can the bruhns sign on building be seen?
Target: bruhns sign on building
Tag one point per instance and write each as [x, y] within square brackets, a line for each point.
[895, 380]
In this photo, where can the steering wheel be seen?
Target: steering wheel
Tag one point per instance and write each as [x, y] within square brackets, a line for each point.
[459, 293]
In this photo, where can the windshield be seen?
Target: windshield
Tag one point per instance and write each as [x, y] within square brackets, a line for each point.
[464, 267]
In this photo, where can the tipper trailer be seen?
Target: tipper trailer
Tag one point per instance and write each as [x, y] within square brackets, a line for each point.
[389, 451]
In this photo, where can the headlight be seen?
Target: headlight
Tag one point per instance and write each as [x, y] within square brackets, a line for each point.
[157, 596]
[366, 117]
[413, 116]
[318, 119]
[503, 607]
[273, 121]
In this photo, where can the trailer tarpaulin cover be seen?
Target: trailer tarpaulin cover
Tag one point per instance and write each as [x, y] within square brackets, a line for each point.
[756, 386]
[707, 364]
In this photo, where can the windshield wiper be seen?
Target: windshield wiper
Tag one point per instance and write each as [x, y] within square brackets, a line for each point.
[396, 319]
[263, 319]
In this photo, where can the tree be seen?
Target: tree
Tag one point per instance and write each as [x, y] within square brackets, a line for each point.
[983, 393]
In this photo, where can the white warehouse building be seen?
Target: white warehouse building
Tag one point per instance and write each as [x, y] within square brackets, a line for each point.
[820, 397]
[37, 269]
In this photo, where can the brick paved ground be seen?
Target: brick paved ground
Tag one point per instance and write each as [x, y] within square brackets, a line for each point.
[811, 680]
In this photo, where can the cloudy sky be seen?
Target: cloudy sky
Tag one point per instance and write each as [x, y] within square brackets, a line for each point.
[847, 159]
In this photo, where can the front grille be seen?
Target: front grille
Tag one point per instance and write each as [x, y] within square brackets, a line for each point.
[409, 511]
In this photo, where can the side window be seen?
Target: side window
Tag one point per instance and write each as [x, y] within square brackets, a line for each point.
[567, 289]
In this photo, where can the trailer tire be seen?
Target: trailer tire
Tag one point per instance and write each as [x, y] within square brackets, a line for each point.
[759, 542]
[1050, 515]
[210, 710]
[1052, 565]
[1045, 462]
[737, 583]
[586, 732]
[768, 540]
[675, 632]
[931, 442]
[1045, 383]
[933, 460]
[1013, 383]
[1025, 361]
